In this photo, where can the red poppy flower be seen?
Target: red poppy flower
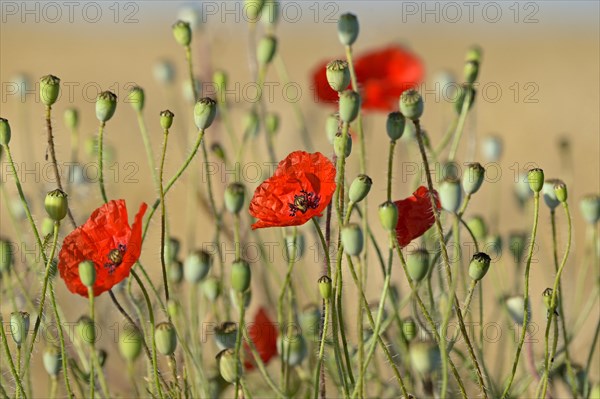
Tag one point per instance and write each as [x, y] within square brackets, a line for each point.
[382, 76]
[263, 334]
[301, 188]
[107, 240]
[415, 215]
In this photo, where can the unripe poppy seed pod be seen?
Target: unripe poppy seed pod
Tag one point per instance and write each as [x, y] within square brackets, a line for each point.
[165, 338]
[342, 147]
[325, 287]
[270, 12]
[49, 89]
[349, 105]
[52, 360]
[516, 306]
[338, 75]
[462, 97]
[86, 330]
[474, 54]
[590, 208]
[517, 241]
[106, 105]
[549, 194]
[450, 195]
[409, 328]
[218, 150]
[246, 298]
[174, 308]
[352, 239]
[71, 118]
[478, 227]
[473, 178]
[136, 98]
[253, 9]
[560, 190]
[491, 148]
[166, 119]
[87, 273]
[225, 335]
[4, 132]
[332, 126]
[182, 32]
[19, 327]
[266, 49]
[360, 188]
[234, 197]
[471, 71]
[294, 346]
[240, 276]
[175, 271]
[425, 357]
[229, 365]
[417, 264]
[536, 179]
[547, 298]
[388, 215]
[211, 289]
[348, 29]
[196, 266]
[395, 125]
[205, 111]
[56, 205]
[479, 266]
[411, 104]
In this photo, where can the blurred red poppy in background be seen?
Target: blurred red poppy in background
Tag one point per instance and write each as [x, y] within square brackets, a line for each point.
[107, 240]
[301, 188]
[415, 215]
[382, 76]
[263, 334]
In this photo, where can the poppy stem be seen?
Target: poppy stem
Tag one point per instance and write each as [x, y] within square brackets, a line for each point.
[94, 355]
[163, 215]
[238, 342]
[260, 364]
[148, 148]
[390, 169]
[460, 126]
[190, 67]
[101, 161]
[319, 391]
[11, 363]
[536, 212]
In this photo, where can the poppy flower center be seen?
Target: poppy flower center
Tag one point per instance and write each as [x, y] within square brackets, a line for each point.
[304, 202]
[115, 257]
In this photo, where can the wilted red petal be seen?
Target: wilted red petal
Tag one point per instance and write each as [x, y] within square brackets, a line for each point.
[106, 229]
[300, 174]
[382, 76]
[415, 215]
[263, 334]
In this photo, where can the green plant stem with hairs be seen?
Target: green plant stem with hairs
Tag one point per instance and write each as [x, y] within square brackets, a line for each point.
[536, 212]
[148, 148]
[554, 305]
[101, 161]
[11, 363]
[446, 259]
[163, 214]
[460, 126]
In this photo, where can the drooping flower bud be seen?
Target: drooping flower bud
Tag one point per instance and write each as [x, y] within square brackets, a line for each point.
[166, 119]
[136, 98]
[226, 334]
[338, 75]
[229, 365]
[235, 194]
[4, 132]
[56, 205]
[417, 264]
[292, 349]
[388, 215]
[560, 191]
[19, 327]
[352, 239]
[71, 118]
[342, 147]
[106, 104]
[395, 125]
[266, 49]
[473, 178]
[49, 89]
[211, 289]
[240, 275]
[205, 111]
[87, 273]
[348, 29]
[196, 266]
[425, 357]
[590, 208]
[411, 104]
[479, 266]
[52, 360]
[332, 126]
[349, 106]
[536, 179]
[450, 195]
[86, 330]
[360, 188]
[165, 338]
[182, 33]
[325, 287]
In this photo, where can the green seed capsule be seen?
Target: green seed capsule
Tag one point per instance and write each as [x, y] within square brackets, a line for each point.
[196, 266]
[244, 300]
[325, 287]
[518, 242]
[182, 33]
[352, 239]
[409, 328]
[478, 227]
[253, 9]
[130, 343]
[516, 306]
[425, 357]
[220, 81]
[56, 205]
[226, 335]
[450, 195]
[85, 330]
[417, 264]
[479, 266]
[52, 360]
[229, 365]
[265, 50]
[136, 98]
[165, 338]
[310, 320]
[349, 105]
[173, 308]
[270, 13]
[332, 126]
[19, 327]
[49, 89]
[6, 256]
[164, 72]
[590, 208]
[471, 71]
[172, 246]
[235, 194]
[474, 54]
[547, 298]
[360, 187]
[240, 276]
[175, 271]
[549, 194]
[211, 289]
[341, 147]
[205, 111]
[560, 191]
[473, 178]
[348, 29]
[106, 105]
[462, 97]
[395, 125]
[292, 349]
[493, 245]
[4, 132]
[87, 273]
[411, 104]
[388, 215]
[536, 179]
[492, 148]
[71, 118]
[166, 119]
[338, 75]
[217, 149]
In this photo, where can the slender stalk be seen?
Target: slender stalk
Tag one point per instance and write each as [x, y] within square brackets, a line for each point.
[536, 212]
[163, 214]
[147, 147]
[190, 66]
[94, 355]
[101, 161]
[321, 353]
[461, 123]
[238, 342]
[11, 364]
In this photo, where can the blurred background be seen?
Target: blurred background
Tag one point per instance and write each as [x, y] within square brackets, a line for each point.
[539, 90]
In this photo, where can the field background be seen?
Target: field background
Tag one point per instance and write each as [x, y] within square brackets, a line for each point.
[554, 62]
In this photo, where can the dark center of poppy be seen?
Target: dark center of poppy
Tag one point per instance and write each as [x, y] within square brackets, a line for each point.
[115, 257]
[304, 202]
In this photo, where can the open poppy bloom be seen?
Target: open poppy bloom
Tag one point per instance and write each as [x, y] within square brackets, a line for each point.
[415, 215]
[301, 188]
[263, 334]
[383, 75]
[107, 240]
